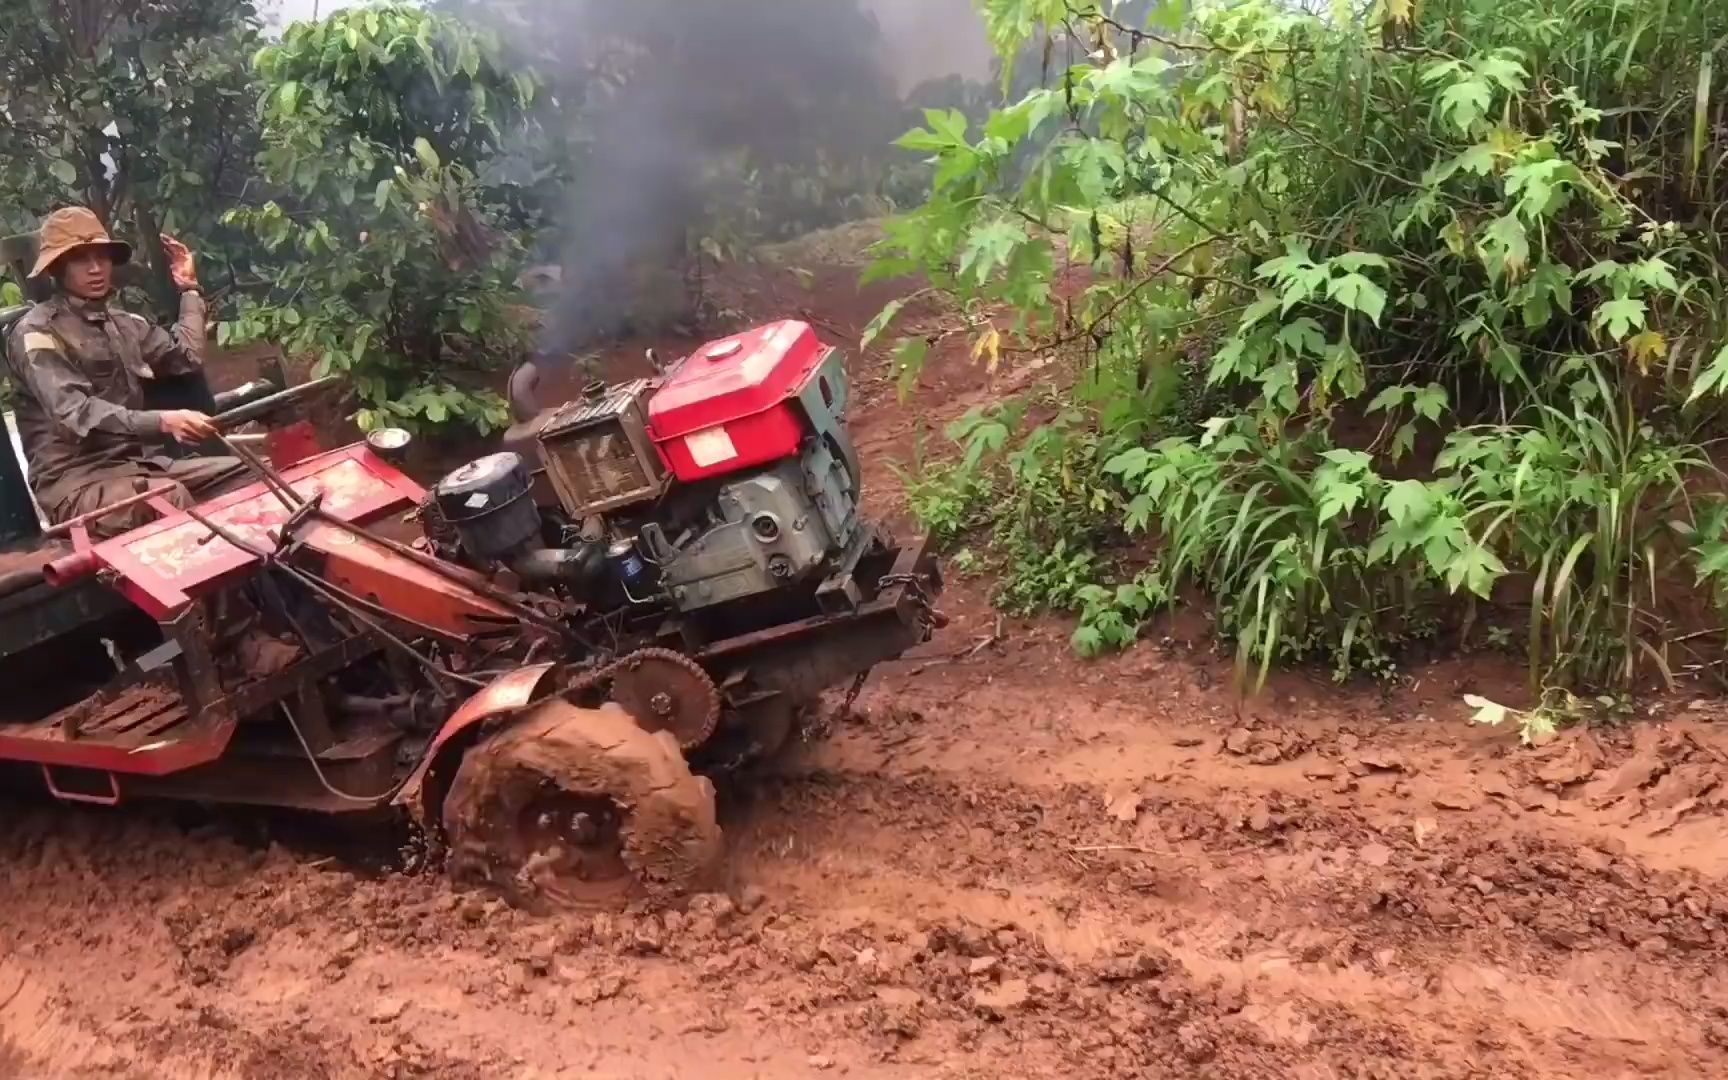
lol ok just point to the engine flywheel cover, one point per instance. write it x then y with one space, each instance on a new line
667 691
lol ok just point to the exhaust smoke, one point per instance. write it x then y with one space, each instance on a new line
662 103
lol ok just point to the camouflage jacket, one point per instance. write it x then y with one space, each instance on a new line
78 368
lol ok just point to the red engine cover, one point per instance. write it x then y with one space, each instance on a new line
734 403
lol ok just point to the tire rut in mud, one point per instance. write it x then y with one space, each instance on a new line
911 922
1328 901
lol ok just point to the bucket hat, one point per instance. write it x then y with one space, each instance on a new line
65 231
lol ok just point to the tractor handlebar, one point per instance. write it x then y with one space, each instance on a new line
264 406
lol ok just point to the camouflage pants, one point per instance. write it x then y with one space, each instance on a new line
85 491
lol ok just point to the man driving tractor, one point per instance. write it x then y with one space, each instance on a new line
81 367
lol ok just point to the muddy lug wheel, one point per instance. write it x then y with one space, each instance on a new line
573 808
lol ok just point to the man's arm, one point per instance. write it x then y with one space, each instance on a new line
40 362
181 352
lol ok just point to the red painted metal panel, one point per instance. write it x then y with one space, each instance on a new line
401 587
506 694
288 446
171 753
734 377
164 564
740 444
732 404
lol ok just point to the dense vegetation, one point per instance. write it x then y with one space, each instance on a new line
1379 323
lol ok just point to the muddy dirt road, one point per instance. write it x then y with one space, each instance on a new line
1003 863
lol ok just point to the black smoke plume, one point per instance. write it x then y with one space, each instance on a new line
653 98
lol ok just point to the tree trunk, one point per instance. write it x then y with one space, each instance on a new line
160 282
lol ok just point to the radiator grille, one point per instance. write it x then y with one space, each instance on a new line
601 464
598 454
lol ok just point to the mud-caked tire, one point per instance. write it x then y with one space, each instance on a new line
573 808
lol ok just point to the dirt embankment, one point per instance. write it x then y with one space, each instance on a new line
1004 863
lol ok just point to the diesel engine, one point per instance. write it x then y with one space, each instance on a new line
725 481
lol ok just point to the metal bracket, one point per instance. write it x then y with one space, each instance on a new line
195 665
111 799
840 594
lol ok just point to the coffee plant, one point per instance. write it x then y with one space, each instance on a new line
377 123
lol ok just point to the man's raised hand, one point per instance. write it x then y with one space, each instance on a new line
181 266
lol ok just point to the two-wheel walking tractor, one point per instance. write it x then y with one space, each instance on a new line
543 658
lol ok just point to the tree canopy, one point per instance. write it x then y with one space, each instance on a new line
140 109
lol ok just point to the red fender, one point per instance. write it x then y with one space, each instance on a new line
507 694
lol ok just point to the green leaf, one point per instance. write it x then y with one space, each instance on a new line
1430 401
1713 379
1359 294
1712 561
1478 160
1389 398
1408 502
949 123
909 354
1128 78
1264 304
1655 273
1293 262
989 247
1504 247
1403 441
1139 513
1129 464
1299 285
1499 66
1549 288
1620 316
63 171
288 96
1088 641
1475 568
1466 102
1453 236
1339 498
881 322
1303 337
1098 165
922 139
1353 261
428 156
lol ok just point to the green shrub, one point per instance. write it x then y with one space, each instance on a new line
1437 282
